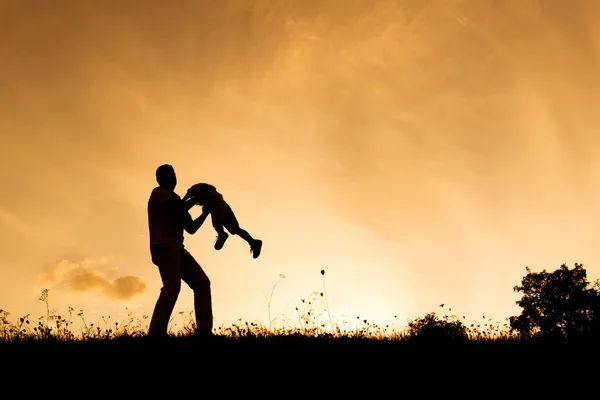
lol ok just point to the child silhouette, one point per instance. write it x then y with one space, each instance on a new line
222 216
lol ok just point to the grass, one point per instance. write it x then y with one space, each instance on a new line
312 332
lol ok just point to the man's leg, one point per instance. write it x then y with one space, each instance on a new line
193 274
168 260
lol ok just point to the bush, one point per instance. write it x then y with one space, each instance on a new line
432 328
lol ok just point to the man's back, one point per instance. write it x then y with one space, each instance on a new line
164 223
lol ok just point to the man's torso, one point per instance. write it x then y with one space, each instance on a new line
165 225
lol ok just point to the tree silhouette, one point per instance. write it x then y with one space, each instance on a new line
558 304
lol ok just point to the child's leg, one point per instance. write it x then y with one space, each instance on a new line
217 208
217 216
222 235
218 225
233 226
244 235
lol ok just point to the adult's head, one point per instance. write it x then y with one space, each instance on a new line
165 176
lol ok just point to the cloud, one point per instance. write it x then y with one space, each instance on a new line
91 275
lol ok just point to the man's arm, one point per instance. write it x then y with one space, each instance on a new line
191 226
173 207
177 206
188 203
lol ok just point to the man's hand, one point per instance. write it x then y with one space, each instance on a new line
193 225
192 197
189 195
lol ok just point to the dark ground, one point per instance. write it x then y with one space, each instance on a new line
296 366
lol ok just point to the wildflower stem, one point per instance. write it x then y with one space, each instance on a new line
326 302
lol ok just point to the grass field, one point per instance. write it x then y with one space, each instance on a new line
245 358
313 334
55 333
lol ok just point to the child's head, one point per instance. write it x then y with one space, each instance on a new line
198 192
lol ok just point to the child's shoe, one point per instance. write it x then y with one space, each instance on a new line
221 240
255 248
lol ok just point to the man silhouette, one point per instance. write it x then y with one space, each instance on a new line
168 217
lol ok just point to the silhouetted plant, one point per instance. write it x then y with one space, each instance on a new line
324 296
46 327
558 304
432 327
270 300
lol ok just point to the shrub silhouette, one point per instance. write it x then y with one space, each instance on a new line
433 328
558 304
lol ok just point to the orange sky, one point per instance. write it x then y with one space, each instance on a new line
419 152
